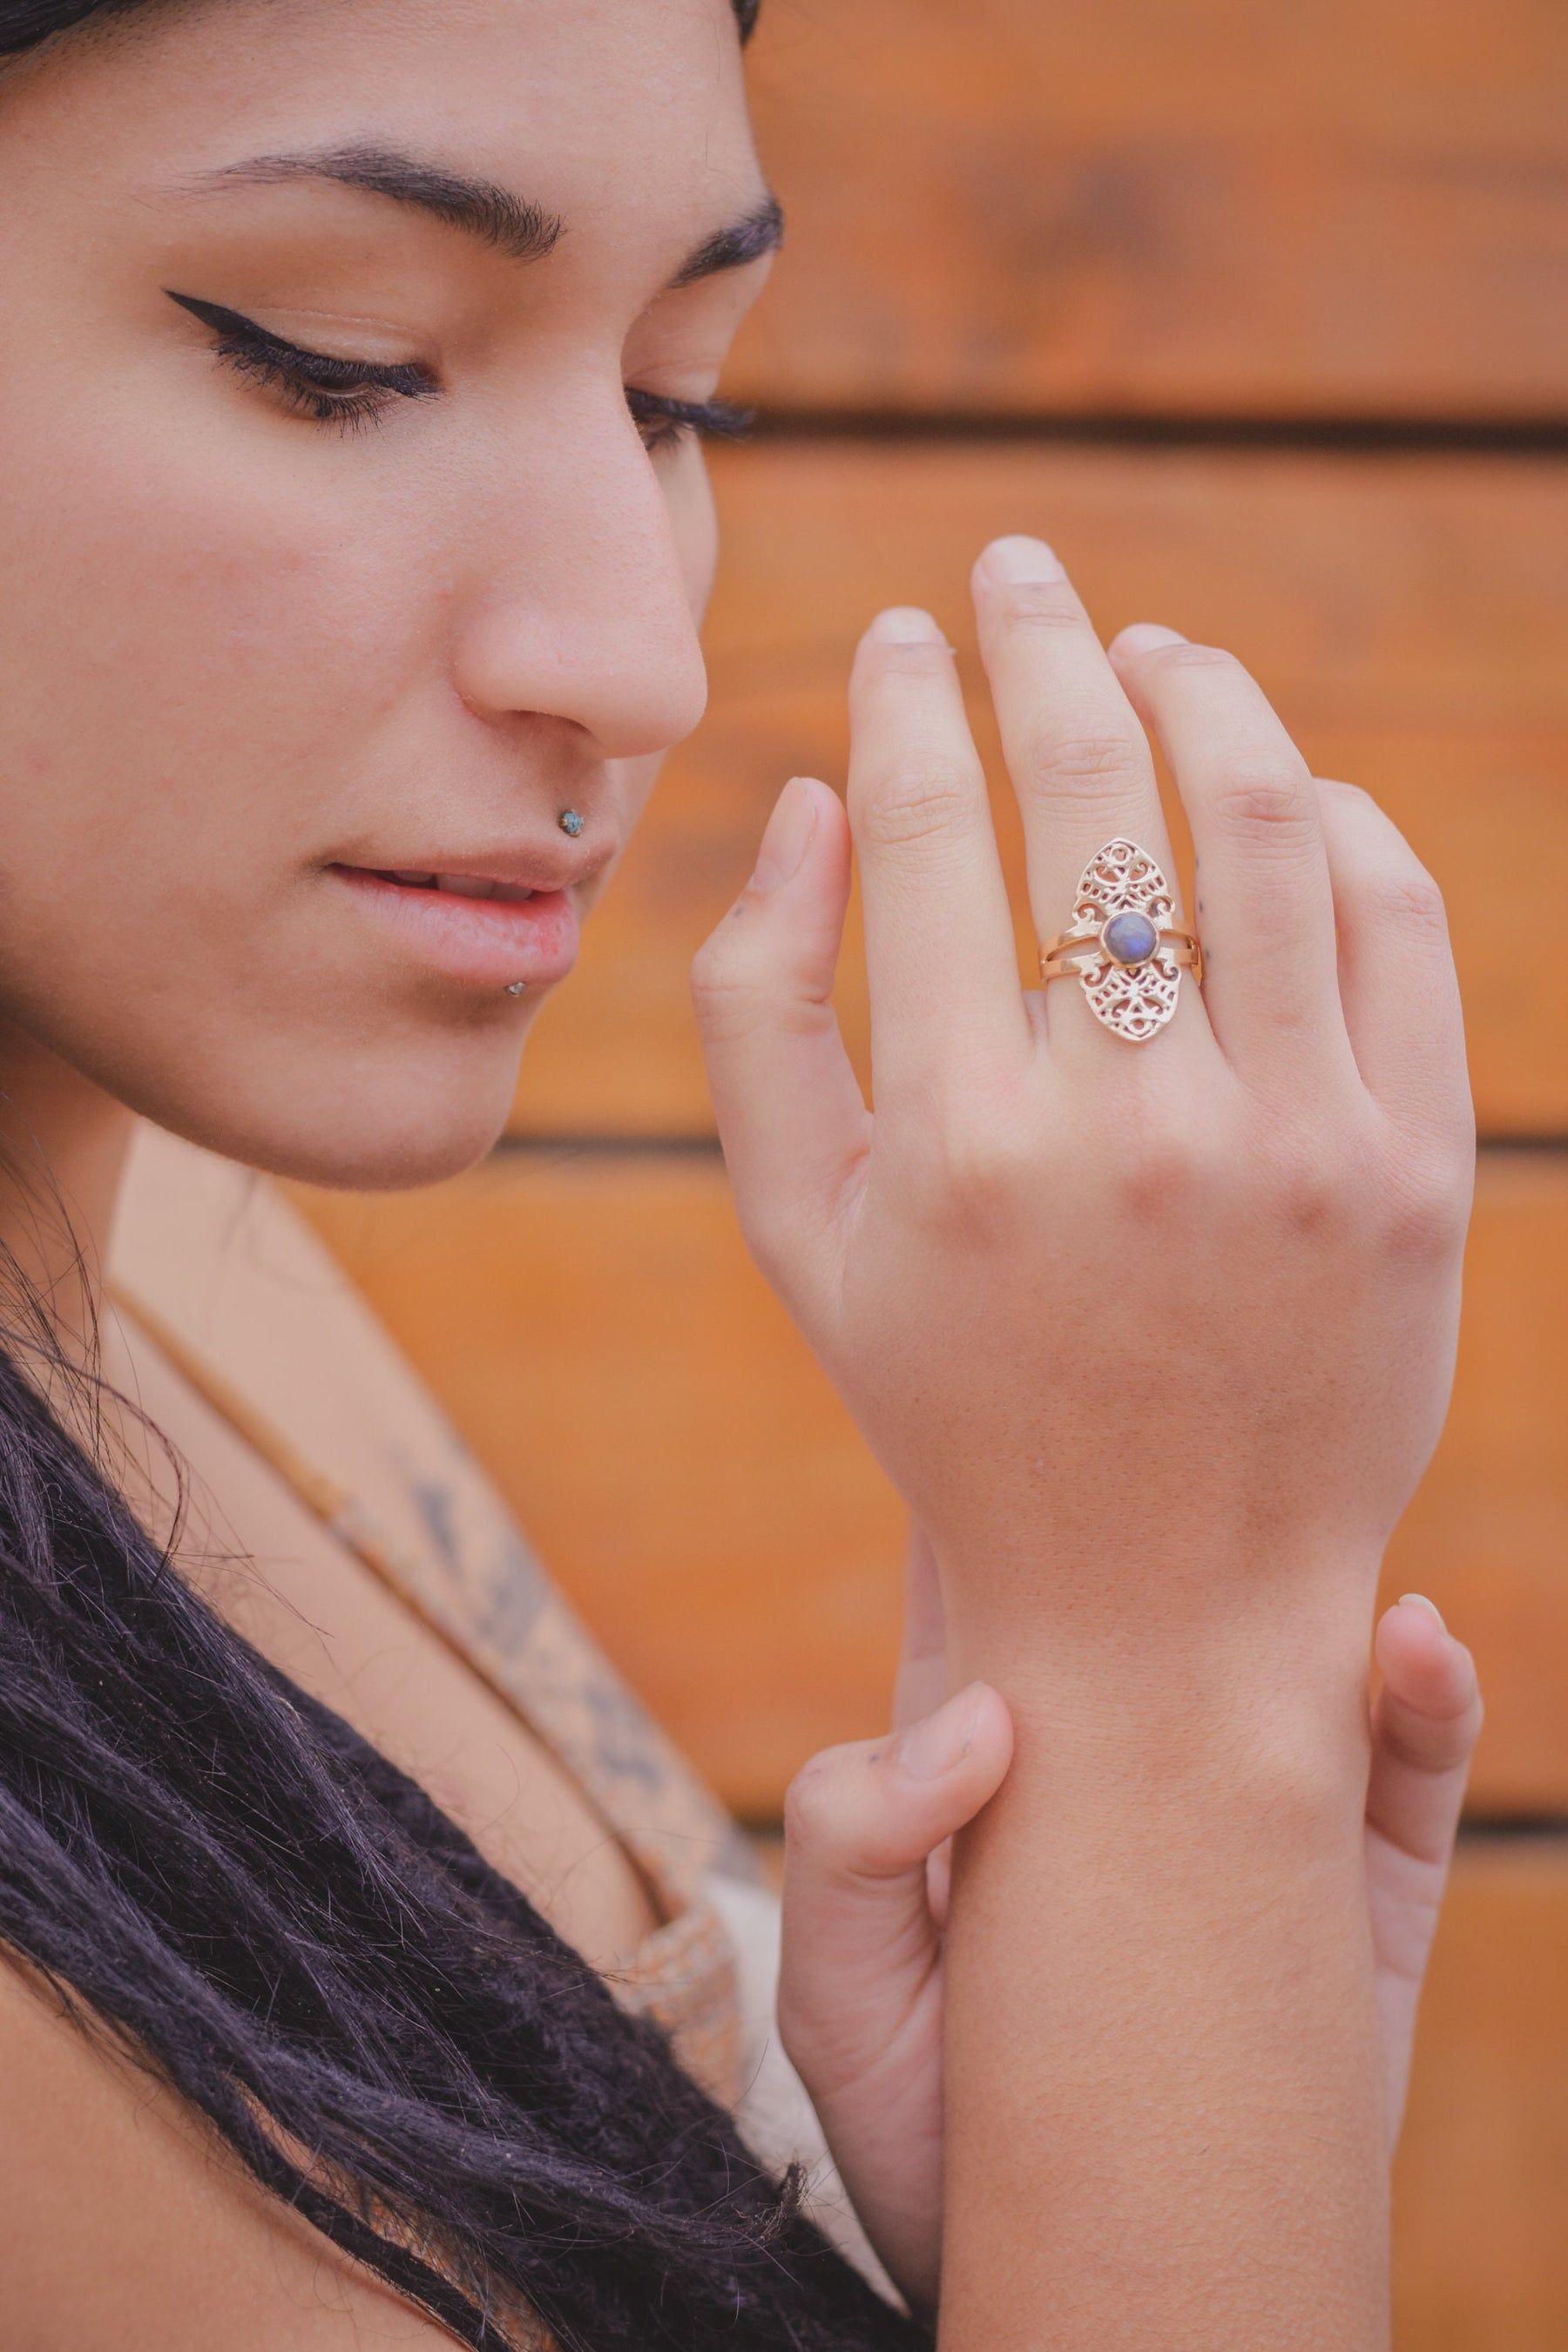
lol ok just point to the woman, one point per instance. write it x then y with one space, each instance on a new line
355 534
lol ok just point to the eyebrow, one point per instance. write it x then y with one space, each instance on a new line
757 232
509 224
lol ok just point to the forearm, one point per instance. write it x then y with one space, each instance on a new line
1164 2128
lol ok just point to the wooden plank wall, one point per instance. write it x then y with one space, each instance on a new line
1261 314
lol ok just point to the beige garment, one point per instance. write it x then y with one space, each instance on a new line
237 1293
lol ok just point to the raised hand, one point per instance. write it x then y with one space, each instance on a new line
1092 1301
1155 1340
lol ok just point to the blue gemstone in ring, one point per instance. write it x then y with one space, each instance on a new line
570 822
1129 938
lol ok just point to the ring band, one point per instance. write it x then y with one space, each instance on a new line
1125 944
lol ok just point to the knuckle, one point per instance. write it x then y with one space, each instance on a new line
1266 802
1429 1209
909 657
811 1808
1171 1170
1048 605
1196 657
1310 1182
1314 1193
724 992
913 806
1084 766
1407 898
977 1172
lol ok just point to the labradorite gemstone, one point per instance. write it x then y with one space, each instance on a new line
1129 938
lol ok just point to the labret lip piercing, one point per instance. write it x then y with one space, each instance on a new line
570 822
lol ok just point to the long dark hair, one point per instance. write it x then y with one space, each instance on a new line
214 1872
212 1868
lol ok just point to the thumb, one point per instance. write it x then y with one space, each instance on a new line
791 1115
859 1941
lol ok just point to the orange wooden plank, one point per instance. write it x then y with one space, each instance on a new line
1406 614
1487 1535
1481 2181
1220 205
595 1328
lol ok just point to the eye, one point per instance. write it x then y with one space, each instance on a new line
664 423
315 384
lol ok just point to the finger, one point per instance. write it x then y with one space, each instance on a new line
859 2003
1076 753
1397 982
941 965
922 1682
860 1822
1426 1723
1264 906
790 1112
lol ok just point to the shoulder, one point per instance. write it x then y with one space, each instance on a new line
124 2220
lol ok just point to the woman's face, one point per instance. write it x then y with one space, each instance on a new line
273 632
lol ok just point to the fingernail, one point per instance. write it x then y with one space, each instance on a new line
1143 636
787 837
941 1741
1014 561
905 624
1419 1600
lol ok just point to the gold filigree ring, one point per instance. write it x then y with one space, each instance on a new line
1124 943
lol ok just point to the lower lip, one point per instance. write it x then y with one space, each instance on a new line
486 942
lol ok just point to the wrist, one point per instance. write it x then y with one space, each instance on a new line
1265 1696
1147 1594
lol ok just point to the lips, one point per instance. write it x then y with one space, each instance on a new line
474 929
459 886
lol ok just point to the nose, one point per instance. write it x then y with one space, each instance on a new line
580 587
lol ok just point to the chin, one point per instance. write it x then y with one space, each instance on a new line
358 1121
389 1161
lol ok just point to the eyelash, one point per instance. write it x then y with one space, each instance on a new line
352 393
663 422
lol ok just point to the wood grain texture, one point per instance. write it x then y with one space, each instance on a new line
1481 2179
592 1324
1180 206
1404 613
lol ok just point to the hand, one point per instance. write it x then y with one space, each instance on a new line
866 1900
1154 1340
1163 1329
1426 1720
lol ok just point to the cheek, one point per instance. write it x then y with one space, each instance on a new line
188 647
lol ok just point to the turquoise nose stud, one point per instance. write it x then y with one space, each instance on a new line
570 822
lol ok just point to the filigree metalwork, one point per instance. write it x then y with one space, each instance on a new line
1133 1000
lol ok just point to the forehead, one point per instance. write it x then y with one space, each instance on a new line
627 120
